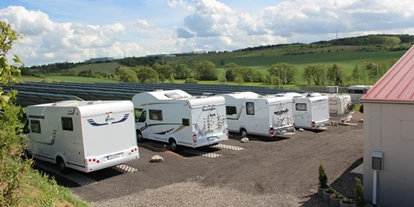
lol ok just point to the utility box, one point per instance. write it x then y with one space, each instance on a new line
377 160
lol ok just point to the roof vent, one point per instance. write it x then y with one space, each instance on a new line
173 95
63 103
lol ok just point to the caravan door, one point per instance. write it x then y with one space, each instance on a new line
302 114
141 124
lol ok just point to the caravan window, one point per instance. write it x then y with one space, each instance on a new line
67 124
300 106
230 110
186 122
356 91
137 112
155 115
35 126
143 116
249 108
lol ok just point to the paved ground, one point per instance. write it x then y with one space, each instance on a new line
266 172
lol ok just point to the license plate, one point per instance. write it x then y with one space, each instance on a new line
111 157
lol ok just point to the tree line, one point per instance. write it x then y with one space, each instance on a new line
368 72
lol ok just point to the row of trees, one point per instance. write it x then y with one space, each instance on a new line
367 73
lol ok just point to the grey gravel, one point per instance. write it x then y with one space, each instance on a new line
193 194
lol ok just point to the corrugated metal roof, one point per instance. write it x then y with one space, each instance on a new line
397 85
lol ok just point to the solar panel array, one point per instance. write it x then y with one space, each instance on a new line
30 93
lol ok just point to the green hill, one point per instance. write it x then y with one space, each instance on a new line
95 67
346 52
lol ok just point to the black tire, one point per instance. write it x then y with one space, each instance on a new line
140 138
243 133
173 144
62 167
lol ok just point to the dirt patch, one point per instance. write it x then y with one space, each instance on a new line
63 204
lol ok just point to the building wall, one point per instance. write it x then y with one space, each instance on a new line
390 128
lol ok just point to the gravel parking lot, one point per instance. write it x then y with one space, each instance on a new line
266 172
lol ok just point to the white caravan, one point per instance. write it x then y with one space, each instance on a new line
177 118
357 91
83 135
310 110
340 107
251 113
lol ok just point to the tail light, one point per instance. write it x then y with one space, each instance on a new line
313 124
227 131
271 131
94 160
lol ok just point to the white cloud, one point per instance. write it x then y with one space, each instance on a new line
322 17
143 24
198 25
48 41
215 26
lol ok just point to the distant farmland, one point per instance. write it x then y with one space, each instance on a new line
95 67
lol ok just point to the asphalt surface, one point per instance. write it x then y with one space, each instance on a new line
266 172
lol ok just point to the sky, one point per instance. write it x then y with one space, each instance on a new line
77 30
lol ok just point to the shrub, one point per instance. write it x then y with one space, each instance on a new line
336 195
348 201
329 191
359 194
191 80
323 179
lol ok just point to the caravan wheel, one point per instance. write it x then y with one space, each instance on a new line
140 138
62 167
243 133
173 144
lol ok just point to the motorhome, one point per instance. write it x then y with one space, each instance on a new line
83 135
340 107
357 91
251 113
310 110
179 119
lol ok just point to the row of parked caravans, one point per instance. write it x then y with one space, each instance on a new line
92 135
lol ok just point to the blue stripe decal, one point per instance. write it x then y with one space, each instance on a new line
93 123
122 120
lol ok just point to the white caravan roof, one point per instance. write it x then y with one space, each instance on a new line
159 96
86 108
359 87
251 95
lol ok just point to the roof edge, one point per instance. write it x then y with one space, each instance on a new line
385 101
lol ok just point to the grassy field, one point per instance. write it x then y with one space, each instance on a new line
42 191
102 67
345 56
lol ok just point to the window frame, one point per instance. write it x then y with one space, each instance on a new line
296 106
64 128
227 111
137 116
185 122
247 108
151 111
32 121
